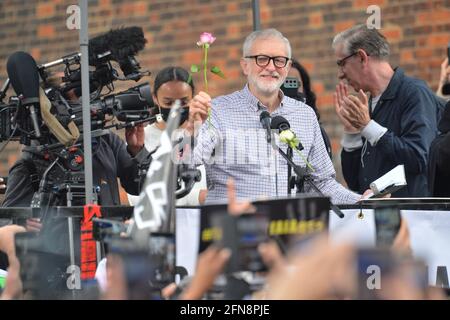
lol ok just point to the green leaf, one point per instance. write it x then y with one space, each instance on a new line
189 80
216 70
194 68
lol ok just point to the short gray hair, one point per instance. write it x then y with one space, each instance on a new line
361 37
264 34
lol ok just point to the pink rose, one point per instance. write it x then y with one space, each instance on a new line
206 38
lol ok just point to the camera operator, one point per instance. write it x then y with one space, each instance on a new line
112 159
172 83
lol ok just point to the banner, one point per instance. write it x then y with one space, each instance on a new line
429 234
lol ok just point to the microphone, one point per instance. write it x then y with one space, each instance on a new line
286 134
265 120
24 77
120 45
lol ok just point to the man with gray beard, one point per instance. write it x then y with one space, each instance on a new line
232 142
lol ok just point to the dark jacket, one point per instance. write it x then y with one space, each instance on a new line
110 160
439 160
410 111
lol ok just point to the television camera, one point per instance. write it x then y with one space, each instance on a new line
46 114
22 117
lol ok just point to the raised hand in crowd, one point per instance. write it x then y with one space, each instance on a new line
272 256
209 266
33 225
13 285
321 271
276 263
211 262
402 241
7 234
236 207
116 288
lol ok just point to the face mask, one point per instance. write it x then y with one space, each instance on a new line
184 115
164 112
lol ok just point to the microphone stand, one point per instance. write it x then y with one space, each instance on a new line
301 175
289 171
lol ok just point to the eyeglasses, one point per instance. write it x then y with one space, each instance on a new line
263 60
341 62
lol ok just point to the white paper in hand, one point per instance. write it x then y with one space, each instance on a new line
388 183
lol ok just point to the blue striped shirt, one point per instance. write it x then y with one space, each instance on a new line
234 145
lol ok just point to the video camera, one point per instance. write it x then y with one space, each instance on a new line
290 88
53 114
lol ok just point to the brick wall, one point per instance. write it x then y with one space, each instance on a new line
418 31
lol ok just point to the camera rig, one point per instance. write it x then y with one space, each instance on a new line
46 115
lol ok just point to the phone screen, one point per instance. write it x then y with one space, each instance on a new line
242 235
252 230
163 256
387 225
290 87
448 52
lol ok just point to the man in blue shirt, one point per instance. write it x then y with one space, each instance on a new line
395 124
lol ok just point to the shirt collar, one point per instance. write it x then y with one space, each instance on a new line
254 104
394 85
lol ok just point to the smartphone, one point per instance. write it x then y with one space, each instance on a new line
104 228
137 266
139 271
163 257
387 225
446 86
242 235
448 52
290 87
35 255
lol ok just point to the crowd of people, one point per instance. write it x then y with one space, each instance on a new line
390 119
